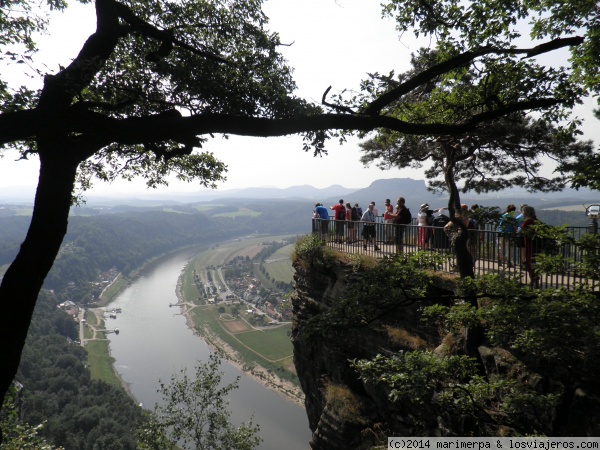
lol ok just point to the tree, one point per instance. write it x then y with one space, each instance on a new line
194 414
502 23
18 434
147 88
506 152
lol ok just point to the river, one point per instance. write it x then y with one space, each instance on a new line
154 342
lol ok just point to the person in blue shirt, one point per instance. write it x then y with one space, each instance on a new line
507 229
520 244
322 214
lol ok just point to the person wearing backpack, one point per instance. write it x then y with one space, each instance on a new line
353 220
401 218
359 214
340 220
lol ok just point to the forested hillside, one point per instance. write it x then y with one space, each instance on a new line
127 237
86 414
80 413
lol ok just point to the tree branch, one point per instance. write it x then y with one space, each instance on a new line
22 125
333 106
423 77
164 36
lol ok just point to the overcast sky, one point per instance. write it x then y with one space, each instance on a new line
334 42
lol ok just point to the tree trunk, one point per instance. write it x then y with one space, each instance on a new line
25 276
464 260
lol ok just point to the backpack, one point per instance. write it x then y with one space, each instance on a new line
341 213
356 216
429 219
405 217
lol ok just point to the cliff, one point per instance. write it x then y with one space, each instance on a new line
371 367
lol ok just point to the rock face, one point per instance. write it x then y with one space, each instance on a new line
345 412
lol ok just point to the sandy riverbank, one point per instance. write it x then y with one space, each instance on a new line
282 387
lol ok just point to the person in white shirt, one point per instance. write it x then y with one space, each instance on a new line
368 231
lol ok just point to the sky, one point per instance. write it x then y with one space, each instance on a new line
333 43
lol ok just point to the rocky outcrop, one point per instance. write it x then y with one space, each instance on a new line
346 412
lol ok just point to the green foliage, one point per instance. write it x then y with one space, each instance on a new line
585 171
166 59
502 22
472 26
310 251
372 293
454 318
553 340
73 411
415 376
504 152
16 434
424 260
555 330
427 385
194 414
590 261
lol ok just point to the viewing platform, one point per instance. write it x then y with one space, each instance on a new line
493 252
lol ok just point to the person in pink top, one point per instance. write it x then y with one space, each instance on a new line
388 220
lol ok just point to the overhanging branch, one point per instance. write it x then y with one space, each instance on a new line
461 60
162 127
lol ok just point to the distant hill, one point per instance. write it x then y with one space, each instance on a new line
414 191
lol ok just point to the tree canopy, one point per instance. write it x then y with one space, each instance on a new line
194 414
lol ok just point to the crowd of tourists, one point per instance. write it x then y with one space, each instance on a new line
352 224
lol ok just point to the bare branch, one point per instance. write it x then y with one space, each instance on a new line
333 106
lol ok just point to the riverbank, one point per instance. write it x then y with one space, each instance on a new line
100 356
282 387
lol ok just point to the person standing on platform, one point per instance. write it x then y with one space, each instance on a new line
340 220
388 220
321 213
368 232
401 218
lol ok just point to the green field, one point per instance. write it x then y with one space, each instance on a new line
273 344
206 207
189 290
101 364
221 253
272 349
99 359
239 212
279 264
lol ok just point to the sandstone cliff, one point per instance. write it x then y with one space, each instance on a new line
347 311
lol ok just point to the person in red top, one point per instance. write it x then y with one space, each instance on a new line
388 219
530 219
340 220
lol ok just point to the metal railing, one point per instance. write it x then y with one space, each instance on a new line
493 252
